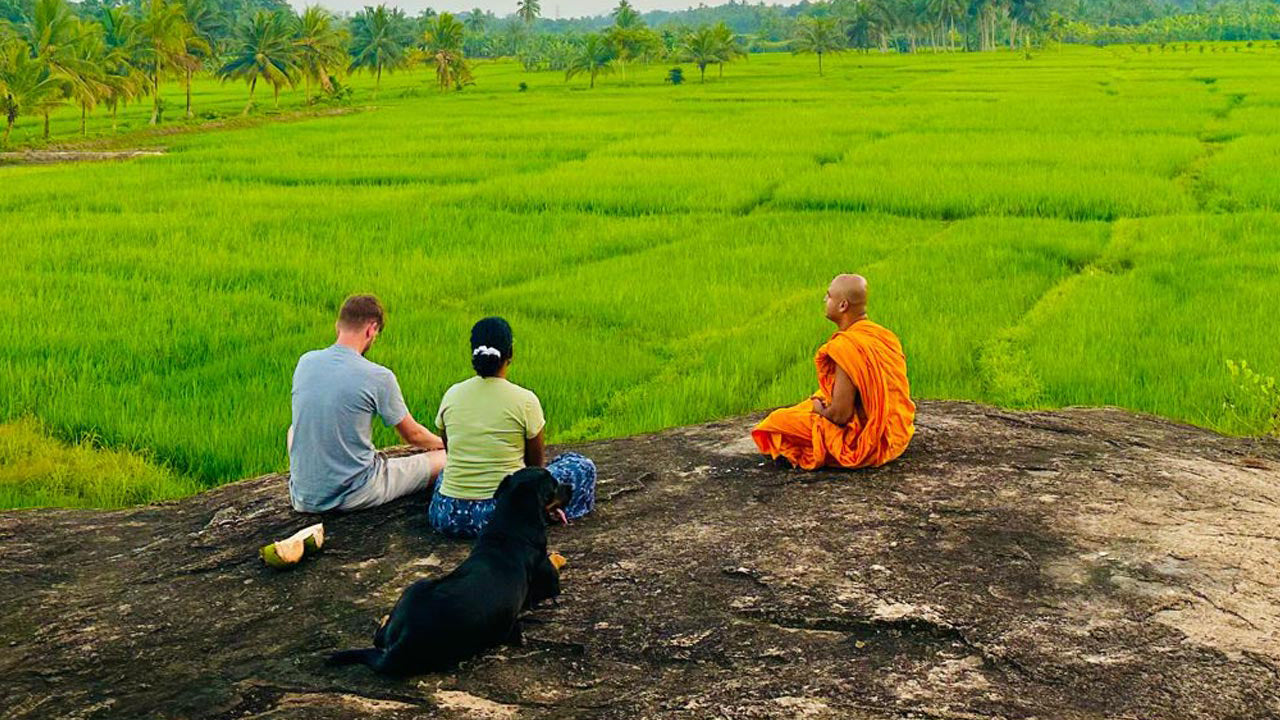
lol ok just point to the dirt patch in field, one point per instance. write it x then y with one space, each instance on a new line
1070 565
50 157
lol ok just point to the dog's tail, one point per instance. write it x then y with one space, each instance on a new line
372 657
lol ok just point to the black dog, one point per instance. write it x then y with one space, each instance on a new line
440 622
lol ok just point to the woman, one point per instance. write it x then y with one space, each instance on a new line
491 428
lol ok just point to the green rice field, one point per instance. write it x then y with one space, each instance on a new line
1085 227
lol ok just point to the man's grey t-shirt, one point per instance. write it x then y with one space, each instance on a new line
336 393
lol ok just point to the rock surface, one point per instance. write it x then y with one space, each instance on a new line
1074 564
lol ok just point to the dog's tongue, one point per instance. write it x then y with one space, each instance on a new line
559 513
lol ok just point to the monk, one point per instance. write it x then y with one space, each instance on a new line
862 414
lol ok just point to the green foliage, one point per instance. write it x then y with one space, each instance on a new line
442 49
320 45
818 36
38 471
675 76
264 50
594 57
1256 400
380 40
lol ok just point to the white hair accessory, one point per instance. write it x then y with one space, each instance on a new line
486 350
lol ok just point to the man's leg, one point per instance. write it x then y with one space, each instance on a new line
399 476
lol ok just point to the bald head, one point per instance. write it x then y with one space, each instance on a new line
847 299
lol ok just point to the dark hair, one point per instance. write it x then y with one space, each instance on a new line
360 310
490 345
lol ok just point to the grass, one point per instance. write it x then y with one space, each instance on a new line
1091 226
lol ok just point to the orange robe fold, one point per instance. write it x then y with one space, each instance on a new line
873 359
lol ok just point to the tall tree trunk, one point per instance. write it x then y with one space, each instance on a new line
378 85
189 113
306 78
277 91
8 128
253 85
819 64
115 108
1013 33
155 106
721 70
46 124
84 120
593 78
703 69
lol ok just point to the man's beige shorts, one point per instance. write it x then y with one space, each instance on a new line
398 476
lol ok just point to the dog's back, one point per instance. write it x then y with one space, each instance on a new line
438 623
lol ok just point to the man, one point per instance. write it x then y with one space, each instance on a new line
862 413
336 393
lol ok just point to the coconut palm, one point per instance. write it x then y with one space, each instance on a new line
52 37
205 24
728 44
263 48
818 36
27 86
528 10
476 21
321 46
165 33
702 48
594 57
442 47
90 86
625 15
379 41
125 80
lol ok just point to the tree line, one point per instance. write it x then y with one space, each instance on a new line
108 53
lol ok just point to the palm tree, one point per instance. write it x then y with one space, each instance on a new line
320 45
702 47
625 15
476 21
27 86
90 85
728 44
819 36
594 57
205 24
165 32
122 76
442 46
528 10
379 38
263 48
52 38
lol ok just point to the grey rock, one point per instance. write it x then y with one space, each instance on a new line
1055 565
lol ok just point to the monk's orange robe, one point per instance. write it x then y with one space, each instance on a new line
882 426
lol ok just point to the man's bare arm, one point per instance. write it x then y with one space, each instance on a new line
415 434
844 399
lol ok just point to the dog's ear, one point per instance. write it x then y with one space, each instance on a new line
504 486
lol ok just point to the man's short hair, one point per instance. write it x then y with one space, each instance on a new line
360 310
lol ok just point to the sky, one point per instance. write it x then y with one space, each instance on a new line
550 8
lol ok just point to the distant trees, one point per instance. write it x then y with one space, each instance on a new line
108 53
819 36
